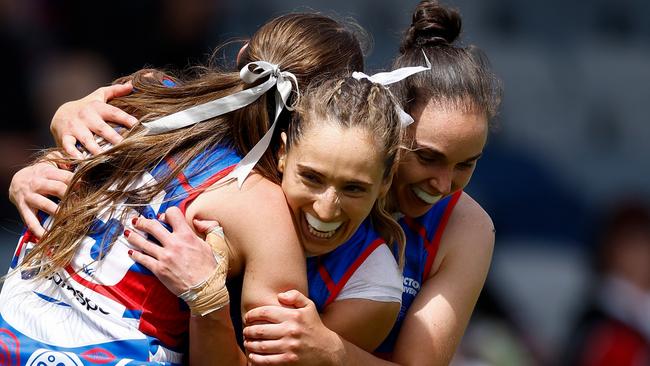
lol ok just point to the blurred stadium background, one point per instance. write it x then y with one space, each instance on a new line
570 143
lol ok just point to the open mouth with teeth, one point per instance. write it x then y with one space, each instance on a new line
321 229
424 196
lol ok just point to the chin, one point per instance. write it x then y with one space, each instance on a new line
313 252
414 209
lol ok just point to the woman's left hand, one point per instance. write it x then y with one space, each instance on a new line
292 334
32 189
183 259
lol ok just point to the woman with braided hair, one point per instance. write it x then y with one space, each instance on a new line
94 287
449 237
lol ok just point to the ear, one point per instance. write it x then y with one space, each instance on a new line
241 52
282 152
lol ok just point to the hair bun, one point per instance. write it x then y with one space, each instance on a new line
432 25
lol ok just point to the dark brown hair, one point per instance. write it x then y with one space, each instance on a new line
103 181
460 76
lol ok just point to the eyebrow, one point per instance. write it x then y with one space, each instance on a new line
439 154
305 168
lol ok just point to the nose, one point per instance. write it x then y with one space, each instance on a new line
442 180
327 206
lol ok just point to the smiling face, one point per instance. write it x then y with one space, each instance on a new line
445 145
331 178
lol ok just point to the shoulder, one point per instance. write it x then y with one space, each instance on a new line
469 215
260 234
469 235
257 197
256 213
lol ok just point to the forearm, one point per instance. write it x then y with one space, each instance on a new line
213 341
365 323
353 355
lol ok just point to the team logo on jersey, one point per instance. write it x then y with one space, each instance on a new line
77 294
46 357
411 286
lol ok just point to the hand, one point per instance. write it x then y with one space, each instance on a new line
31 190
182 260
290 334
79 120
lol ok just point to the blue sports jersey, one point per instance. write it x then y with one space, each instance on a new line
327 274
104 308
422 240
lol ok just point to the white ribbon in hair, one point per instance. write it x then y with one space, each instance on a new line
284 82
390 77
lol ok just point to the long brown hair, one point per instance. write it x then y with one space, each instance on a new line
352 103
103 181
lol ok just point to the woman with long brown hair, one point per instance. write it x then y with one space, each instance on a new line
82 280
449 235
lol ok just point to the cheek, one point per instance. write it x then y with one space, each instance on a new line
462 179
293 194
358 210
408 171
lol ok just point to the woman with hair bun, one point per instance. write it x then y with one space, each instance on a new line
450 238
97 288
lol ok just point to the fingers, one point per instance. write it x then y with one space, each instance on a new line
49 187
176 219
265 347
117 90
109 134
50 180
265 331
31 221
87 139
102 113
31 188
116 115
267 314
155 228
143 245
80 120
143 259
204 226
69 145
56 188
39 202
295 299
60 175
180 261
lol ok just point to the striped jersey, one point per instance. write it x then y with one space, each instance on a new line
104 308
423 236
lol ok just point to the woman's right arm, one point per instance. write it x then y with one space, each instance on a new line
264 246
293 334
